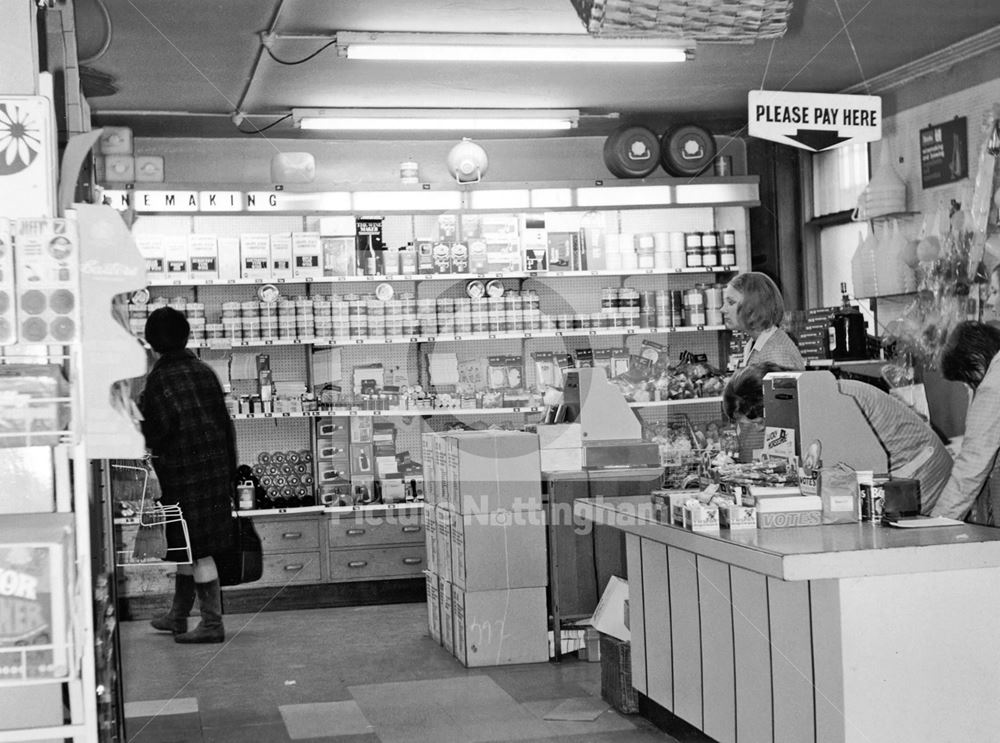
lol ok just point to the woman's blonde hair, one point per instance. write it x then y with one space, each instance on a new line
762 306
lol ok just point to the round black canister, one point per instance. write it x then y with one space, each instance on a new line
687 150
632 152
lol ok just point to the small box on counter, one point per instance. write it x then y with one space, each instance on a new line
732 516
795 510
700 517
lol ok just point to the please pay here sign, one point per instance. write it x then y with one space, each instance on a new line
814 121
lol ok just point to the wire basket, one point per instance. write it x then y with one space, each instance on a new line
151 515
699 20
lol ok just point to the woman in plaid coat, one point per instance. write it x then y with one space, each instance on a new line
191 437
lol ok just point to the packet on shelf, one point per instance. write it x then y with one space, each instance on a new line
698 516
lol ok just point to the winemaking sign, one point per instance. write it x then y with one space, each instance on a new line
814 121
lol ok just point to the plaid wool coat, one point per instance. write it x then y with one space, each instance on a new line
193 442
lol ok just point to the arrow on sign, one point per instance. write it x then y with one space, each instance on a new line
817 139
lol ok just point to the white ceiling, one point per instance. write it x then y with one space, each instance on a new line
183 67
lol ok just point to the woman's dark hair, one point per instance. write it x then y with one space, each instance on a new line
167 330
762 306
744 393
968 352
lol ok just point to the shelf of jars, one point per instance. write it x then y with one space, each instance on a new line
445 277
224 343
456 411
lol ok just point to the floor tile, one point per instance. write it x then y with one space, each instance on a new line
537 681
182 728
580 709
273 732
608 721
158 707
324 719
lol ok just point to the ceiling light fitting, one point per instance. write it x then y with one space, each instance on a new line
509 48
428 119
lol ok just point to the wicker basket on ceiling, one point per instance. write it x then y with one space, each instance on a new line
700 20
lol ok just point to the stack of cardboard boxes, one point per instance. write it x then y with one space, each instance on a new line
487 568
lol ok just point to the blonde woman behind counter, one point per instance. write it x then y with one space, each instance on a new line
752 304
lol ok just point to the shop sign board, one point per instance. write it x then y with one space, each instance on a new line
814 121
944 153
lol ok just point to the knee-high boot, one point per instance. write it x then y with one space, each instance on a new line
210 628
175 620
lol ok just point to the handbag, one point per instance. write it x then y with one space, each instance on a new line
244 562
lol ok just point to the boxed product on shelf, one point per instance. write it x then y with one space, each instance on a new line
500 549
307 255
281 255
447 614
494 628
36 585
203 256
500 235
442 516
429 522
368 245
229 258
175 253
153 251
28 480
534 244
255 255
794 510
339 256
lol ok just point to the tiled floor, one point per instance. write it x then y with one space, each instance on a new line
354 675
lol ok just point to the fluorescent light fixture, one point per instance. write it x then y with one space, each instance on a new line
509 48
551 197
395 201
624 196
515 198
430 119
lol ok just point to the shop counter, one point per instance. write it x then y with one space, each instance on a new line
853 633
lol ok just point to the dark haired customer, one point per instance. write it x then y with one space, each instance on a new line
972 355
752 304
912 448
191 438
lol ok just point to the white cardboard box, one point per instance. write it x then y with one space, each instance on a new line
281 256
495 628
175 253
447 615
307 255
498 550
152 250
203 256
229 258
433 605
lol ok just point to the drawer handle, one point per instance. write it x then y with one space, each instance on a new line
410 529
292 535
296 568
357 563
355 532
412 560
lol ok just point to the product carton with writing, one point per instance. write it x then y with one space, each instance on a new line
152 250
500 549
793 510
175 253
255 255
433 605
443 516
491 470
229 258
609 616
203 256
495 628
307 255
281 256
447 614
431 482
430 538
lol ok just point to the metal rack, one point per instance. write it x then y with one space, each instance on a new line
152 515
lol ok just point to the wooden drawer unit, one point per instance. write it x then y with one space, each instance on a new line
361 531
290 567
376 563
288 535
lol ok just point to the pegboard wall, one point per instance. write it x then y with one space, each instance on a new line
901 133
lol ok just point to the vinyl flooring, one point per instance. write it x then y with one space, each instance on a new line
365 674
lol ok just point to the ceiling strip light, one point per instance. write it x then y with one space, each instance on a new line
434 120
552 48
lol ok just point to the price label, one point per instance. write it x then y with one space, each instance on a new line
286 415
266 415
414 340
458 338
359 341
431 338
699 327
592 332
231 281
376 412
630 331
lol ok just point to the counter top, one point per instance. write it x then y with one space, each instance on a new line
810 552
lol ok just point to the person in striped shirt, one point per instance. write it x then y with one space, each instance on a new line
971 355
912 447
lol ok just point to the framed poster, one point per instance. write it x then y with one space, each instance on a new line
944 155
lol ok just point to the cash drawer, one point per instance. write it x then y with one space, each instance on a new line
288 535
351 532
